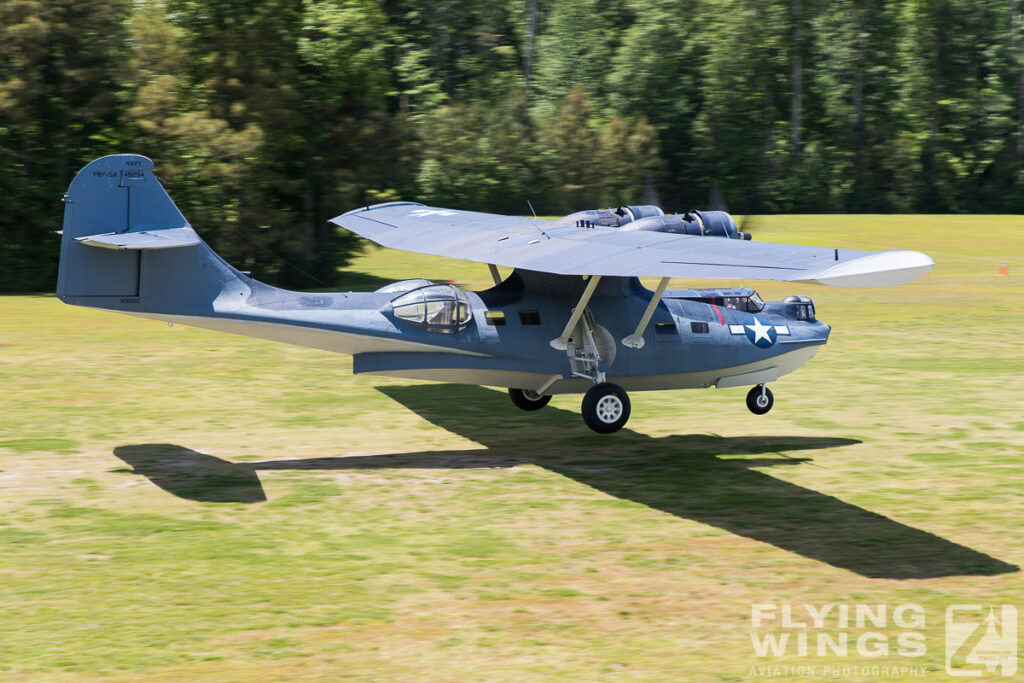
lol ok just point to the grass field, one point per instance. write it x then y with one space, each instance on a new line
178 504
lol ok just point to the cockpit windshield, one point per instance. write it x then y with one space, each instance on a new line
742 300
739 299
438 308
750 304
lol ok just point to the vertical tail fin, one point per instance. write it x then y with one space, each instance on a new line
126 246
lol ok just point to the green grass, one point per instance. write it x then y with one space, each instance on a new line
179 504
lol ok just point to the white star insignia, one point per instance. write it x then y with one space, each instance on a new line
420 213
760 330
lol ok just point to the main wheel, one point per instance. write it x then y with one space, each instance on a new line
528 400
760 399
605 408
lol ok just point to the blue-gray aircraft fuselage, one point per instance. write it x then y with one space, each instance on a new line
571 317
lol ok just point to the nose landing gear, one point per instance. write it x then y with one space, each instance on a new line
760 399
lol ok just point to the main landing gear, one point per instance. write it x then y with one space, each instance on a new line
527 399
605 407
760 399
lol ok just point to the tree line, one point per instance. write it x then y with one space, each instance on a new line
267 117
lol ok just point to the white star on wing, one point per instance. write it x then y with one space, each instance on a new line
760 330
420 213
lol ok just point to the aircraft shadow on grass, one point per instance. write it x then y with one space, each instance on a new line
684 475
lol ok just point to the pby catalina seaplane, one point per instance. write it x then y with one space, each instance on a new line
572 317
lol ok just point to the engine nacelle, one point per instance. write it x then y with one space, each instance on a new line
696 223
610 218
652 219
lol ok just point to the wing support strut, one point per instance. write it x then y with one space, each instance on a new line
562 342
495 275
636 340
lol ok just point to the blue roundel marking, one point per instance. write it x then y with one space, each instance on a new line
759 332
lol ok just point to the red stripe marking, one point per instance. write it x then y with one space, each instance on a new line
719 314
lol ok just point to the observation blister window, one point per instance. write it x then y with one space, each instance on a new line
438 308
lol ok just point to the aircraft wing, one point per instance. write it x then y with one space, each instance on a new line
541 245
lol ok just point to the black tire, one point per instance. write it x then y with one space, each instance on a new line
606 408
522 399
755 403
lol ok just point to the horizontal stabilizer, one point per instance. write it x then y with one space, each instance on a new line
160 238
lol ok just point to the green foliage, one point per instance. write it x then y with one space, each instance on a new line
578 46
265 119
59 105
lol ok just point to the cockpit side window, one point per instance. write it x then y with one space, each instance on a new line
749 304
740 299
438 308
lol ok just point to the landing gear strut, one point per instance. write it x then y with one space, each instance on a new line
605 407
527 399
760 399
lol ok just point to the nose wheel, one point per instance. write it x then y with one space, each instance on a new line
760 399
605 407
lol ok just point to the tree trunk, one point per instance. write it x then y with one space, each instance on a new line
862 179
313 241
65 123
1018 58
531 37
797 80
